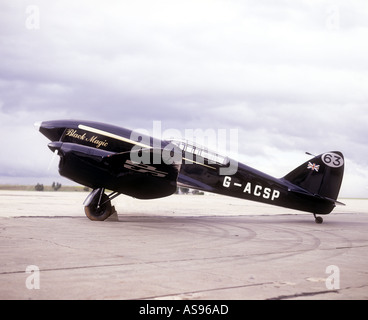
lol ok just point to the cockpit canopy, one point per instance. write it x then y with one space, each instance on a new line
193 148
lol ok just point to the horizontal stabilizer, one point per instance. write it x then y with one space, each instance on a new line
337 202
303 192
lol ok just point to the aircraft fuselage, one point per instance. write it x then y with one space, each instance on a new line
104 156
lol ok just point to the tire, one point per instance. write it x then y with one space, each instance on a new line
98 214
319 220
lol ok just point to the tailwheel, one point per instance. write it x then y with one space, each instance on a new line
318 220
98 206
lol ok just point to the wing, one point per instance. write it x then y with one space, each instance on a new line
145 179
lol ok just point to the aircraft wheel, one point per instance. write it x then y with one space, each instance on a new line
319 220
95 213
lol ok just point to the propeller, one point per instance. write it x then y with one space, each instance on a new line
54 147
52 160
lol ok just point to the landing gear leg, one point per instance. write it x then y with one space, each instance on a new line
97 206
318 220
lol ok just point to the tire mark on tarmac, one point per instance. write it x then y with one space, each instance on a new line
171 295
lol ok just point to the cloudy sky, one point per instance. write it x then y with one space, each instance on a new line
289 76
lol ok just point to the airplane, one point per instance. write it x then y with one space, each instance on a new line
106 157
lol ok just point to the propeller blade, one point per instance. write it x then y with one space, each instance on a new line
52 160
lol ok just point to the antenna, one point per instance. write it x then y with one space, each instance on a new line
310 154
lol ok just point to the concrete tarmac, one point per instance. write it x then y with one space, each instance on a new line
180 247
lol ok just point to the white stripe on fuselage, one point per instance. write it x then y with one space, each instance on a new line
117 137
112 135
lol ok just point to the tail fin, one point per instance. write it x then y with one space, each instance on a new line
321 176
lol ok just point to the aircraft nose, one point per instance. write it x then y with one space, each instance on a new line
56 145
38 125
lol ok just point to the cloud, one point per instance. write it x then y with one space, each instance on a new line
289 76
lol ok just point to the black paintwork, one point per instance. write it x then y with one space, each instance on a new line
99 155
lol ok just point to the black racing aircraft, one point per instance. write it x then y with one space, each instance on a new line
105 157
